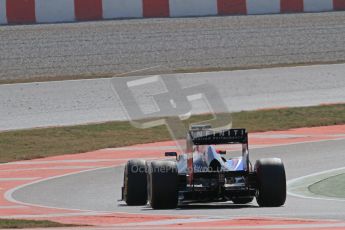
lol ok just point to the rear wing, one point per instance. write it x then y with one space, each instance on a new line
211 137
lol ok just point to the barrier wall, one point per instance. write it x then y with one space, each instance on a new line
47 11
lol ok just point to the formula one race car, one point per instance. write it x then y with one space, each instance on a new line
202 174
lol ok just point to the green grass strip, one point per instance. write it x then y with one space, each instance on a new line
12 223
38 143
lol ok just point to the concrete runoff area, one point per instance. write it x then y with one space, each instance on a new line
60 103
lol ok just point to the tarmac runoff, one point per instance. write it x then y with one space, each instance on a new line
62 103
19 196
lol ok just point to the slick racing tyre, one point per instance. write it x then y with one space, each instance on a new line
135 183
271 191
163 185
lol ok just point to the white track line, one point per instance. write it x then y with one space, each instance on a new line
298 187
38 162
48 168
9 194
12 206
51 215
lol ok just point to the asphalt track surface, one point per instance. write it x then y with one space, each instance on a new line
108 47
98 190
58 103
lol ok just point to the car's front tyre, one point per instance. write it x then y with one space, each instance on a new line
135 183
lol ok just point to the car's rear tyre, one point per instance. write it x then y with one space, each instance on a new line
271 179
163 185
242 200
135 183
